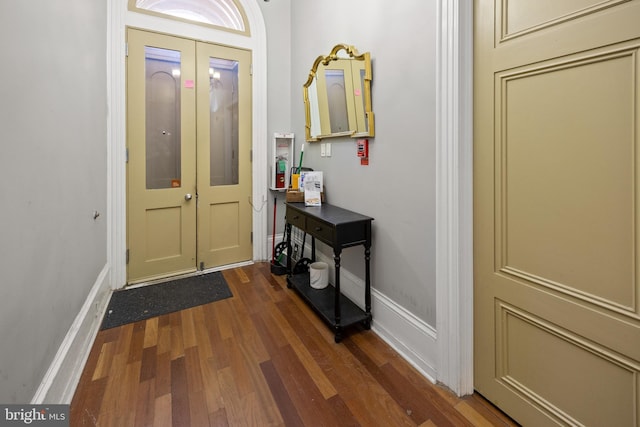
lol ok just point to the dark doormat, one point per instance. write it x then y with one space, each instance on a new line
132 305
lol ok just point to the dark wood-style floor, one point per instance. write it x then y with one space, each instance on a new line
260 358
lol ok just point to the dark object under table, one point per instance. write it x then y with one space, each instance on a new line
338 228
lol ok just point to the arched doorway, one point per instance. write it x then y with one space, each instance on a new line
121 18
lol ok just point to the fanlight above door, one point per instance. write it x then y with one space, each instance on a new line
337 95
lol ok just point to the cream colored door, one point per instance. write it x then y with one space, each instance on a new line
188 184
161 168
557 187
224 155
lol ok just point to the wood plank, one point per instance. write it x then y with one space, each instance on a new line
312 406
342 412
229 392
137 342
402 391
148 364
163 320
220 354
124 341
188 329
92 360
219 418
261 393
245 327
163 374
224 317
163 416
145 403
151 332
275 287
194 373
85 407
270 332
252 412
105 358
127 401
282 398
180 412
177 342
278 323
239 272
202 334
489 412
164 337
211 386
198 413
474 417
111 403
238 368
379 352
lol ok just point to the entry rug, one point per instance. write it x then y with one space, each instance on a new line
132 305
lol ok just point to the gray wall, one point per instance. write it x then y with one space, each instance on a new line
53 176
277 18
398 186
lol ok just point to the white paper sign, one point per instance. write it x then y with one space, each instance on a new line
312 184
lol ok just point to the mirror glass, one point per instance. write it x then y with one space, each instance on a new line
337 95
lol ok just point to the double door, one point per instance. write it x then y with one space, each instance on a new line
189 155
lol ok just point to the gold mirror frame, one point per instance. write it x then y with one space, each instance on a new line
367 128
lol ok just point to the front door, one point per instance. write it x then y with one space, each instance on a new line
557 219
189 164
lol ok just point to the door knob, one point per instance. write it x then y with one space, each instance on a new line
188 196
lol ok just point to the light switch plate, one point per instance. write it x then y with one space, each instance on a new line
323 150
327 149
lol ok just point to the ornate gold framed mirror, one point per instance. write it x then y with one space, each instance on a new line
337 95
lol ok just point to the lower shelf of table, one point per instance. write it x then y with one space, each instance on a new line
323 302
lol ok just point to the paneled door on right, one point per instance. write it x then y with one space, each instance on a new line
556 215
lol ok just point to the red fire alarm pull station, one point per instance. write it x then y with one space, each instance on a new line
363 151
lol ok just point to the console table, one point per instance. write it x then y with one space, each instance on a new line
338 228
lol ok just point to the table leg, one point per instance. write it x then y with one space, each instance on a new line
289 269
367 285
338 328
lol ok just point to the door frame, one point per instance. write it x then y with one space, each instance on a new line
118 19
454 195
454 174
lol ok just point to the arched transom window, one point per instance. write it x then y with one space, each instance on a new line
225 14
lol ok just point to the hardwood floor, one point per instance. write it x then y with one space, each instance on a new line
260 358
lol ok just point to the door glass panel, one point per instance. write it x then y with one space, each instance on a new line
223 121
222 13
337 99
162 97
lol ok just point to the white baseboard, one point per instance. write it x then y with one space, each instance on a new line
60 381
411 337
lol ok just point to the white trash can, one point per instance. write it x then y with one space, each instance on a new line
318 275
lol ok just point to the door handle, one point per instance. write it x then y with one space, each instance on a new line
188 197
